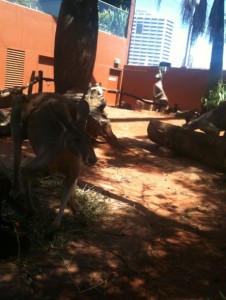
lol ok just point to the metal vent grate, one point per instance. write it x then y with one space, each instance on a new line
14 68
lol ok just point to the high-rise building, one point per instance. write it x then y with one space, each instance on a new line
150 40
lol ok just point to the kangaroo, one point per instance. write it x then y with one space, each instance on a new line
65 106
212 122
58 148
22 107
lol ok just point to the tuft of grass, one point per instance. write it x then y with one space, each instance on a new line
46 192
93 204
92 210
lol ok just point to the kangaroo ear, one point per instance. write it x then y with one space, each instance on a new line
82 113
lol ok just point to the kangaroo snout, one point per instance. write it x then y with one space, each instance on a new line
104 122
91 158
90 161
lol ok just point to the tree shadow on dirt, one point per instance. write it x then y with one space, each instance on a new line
159 256
141 154
134 252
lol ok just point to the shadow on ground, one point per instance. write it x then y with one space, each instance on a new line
162 235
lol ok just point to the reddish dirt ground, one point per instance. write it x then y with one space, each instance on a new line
163 238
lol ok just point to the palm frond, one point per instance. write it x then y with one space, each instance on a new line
213 19
158 3
199 20
187 10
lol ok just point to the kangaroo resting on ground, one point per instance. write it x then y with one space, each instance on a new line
212 122
59 146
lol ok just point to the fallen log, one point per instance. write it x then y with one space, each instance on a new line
207 148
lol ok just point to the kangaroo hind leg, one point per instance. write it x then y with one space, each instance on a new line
30 167
69 185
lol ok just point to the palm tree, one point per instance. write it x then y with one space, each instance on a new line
216 32
194 14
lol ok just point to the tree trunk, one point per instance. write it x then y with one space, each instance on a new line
209 149
75 44
188 47
216 63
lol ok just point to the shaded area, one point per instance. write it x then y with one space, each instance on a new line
162 237
208 148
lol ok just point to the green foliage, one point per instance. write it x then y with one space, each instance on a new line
123 4
113 21
21 2
28 3
215 97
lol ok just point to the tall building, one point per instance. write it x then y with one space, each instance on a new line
150 40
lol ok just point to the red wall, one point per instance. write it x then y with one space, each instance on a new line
182 86
109 47
34 32
28 30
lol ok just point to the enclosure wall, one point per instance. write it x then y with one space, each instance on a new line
30 35
184 87
27 44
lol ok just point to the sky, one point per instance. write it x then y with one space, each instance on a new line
200 52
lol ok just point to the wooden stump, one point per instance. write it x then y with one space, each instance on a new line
209 149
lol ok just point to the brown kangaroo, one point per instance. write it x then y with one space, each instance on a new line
22 107
65 107
58 148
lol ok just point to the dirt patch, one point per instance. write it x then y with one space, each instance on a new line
163 236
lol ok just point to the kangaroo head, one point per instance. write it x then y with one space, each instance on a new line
80 142
82 145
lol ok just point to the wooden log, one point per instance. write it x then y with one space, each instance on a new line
209 149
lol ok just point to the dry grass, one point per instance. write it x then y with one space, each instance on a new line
93 208
46 193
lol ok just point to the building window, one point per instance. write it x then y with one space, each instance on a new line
14 68
139 28
150 36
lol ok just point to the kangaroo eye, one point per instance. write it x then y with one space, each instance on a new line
77 136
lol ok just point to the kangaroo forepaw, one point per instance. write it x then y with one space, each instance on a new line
74 206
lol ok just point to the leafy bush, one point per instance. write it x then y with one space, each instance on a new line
215 97
112 19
